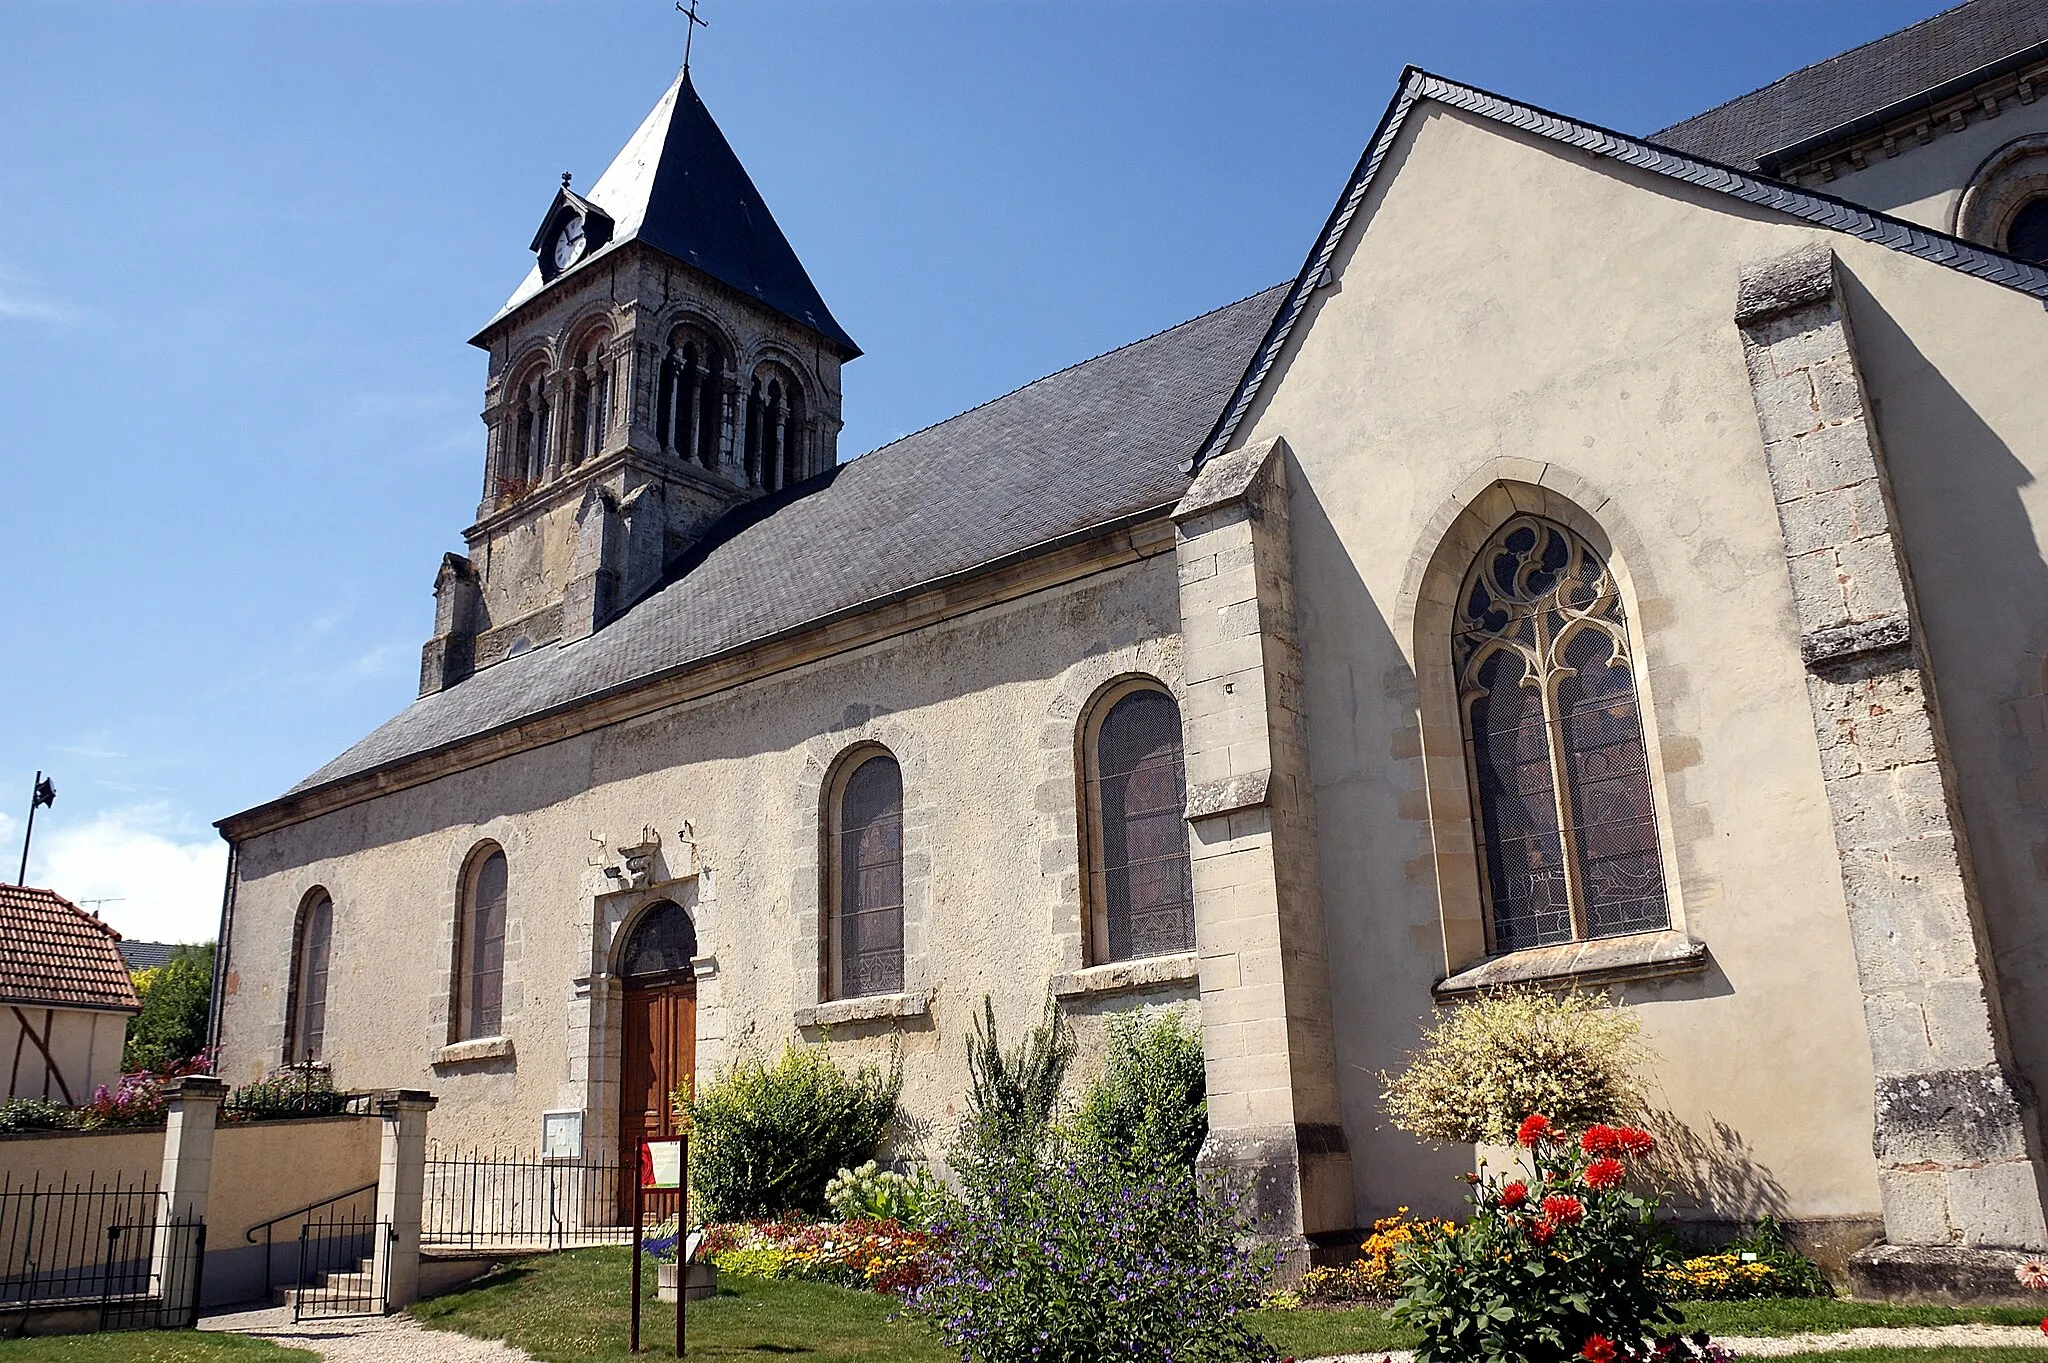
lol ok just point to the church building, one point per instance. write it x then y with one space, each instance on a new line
1611 562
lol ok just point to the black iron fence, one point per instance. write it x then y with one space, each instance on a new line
112 1245
517 1200
341 1271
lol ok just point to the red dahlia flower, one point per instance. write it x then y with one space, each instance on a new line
1598 1349
1543 1230
1633 1140
1604 1172
1562 1209
1600 1140
1534 1128
1514 1195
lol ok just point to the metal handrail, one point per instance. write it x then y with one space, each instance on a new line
267 1226
309 1207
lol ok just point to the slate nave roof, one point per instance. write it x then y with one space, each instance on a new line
1106 439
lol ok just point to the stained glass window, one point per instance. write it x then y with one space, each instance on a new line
1554 739
1142 888
2027 238
867 919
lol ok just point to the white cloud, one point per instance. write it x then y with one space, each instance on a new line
163 875
31 310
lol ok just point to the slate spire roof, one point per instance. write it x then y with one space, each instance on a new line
678 187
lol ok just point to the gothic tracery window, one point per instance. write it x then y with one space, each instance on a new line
1141 887
1554 742
865 897
480 950
306 1011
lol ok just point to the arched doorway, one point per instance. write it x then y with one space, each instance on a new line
658 1045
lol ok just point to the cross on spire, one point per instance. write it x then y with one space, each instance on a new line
689 29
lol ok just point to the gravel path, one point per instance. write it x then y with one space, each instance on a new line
1908 1337
366 1339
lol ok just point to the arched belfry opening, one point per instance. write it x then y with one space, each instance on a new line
658 1033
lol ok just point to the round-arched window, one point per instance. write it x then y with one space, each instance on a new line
662 944
2027 237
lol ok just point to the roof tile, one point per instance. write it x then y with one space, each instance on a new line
54 954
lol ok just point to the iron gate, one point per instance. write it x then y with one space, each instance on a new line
341 1269
113 1246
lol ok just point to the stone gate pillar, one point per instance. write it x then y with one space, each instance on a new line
1265 979
401 1193
1956 1151
192 1113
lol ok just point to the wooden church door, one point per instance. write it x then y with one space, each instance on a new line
658 1042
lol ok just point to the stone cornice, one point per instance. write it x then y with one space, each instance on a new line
1055 563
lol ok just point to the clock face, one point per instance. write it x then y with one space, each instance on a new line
569 244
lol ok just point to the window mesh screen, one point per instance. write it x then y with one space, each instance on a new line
311 1029
1555 742
484 990
870 859
1141 796
663 943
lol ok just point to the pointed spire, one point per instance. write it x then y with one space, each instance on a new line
678 187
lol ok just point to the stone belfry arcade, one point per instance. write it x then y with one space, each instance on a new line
666 359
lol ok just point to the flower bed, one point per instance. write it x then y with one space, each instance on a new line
878 1256
1376 1274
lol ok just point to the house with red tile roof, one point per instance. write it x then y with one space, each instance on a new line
65 997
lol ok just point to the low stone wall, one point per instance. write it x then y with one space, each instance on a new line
259 1170
46 1158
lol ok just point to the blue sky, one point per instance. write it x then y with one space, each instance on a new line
242 246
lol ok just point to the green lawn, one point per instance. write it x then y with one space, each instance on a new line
150 1346
1313 1333
567 1308
571 1308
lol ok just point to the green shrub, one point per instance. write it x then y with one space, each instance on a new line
1150 1103
33 1114
1558 1263
871 1193
1012 1098
176 997
1074 1257
1503 1055
765 1140
302 1091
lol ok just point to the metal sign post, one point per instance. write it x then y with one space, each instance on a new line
664 1168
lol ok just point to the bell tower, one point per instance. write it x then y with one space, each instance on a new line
666 359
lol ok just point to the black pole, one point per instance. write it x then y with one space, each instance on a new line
639 1215
35 798
683 1239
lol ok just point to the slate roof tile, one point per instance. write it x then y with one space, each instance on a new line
55 954
1822 97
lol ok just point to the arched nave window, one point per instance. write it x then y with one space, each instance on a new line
1554 739
865 897
306 1013
1140 889
480 949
